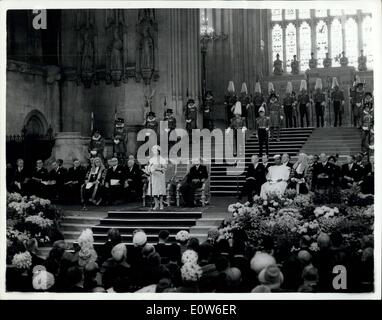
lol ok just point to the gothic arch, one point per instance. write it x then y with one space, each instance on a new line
35 123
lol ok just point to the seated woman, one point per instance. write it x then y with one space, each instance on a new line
277 178
92 188
299 173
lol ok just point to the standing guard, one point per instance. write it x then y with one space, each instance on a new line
207 111
288 103
356 97
262 124
97 145
303 104
119 141
275 115
367 122
338 100
151 122
319 103
191 116
229 100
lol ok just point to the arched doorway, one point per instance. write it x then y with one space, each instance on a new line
35 124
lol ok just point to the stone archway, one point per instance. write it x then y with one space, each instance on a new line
35 124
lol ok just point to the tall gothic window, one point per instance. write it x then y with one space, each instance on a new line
277 42
367 40
336 42
291 45
305 46
332 31
321 42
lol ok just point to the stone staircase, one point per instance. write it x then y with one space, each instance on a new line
342 141
291 141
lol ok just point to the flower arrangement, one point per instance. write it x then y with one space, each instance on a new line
22 260
190 256
191 272
182 236
29 217
291 217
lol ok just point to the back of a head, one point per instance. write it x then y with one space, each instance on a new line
205 251
173 252
73 275
221 263
223 246
163 235
114 236
336 238
193 244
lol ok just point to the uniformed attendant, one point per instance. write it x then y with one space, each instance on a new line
357 95
303 103
367 122
245 100
258 100
338 100
262 124
229 101
207 111
119 145
171 124
97 145
151 122
237 123
288 103
191 115
275 116
319 103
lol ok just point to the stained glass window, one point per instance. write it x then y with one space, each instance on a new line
305 45
290 14
321 13
335 12
351 41
336 42
291 44
277 41
304 14
277 15
321 42
296 24
367 41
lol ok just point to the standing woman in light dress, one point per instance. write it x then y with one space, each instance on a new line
157 182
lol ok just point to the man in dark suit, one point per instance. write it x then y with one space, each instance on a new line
57 178
285 159
351 173
75 179
20 178
323 173
39 179
336 171
255 177
133 179
195 178
114 181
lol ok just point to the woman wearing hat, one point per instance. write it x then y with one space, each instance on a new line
157 185
299 172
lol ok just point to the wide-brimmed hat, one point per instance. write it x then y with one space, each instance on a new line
139 238
261 260
119 252
43 281
271 276
261 289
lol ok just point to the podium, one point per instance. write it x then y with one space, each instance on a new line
345 77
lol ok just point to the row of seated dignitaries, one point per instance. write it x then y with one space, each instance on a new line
308 173
95 183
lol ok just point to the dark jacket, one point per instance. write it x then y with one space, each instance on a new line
59 175
198 173
258 173
117 174
355 172
76 174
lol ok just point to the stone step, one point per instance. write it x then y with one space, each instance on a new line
147 222
154 214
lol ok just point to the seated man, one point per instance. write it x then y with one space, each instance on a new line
194 179
254 179
133 179
285 159
114 182
57 178
277 178
351 173
75 179
323 173
39 180
20 178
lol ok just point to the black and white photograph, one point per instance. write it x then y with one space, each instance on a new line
206 149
